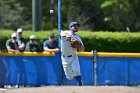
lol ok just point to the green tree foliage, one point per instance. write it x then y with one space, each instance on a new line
10 14
49 20
122 14
26 13
86 12
108 15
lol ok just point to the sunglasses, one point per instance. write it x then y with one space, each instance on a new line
14 37
32 39
19 32
76 25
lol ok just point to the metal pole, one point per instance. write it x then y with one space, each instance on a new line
59 31
95 67
59 21
36 15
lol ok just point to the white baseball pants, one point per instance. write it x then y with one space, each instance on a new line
71 66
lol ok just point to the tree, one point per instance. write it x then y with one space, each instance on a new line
10 14
122 13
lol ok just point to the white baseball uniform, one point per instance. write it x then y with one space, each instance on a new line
69 58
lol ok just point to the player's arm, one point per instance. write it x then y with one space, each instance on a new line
64 34
81 48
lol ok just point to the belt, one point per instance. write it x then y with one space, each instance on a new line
67 56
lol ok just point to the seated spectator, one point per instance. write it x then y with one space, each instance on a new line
12 44
51 45
21 40
33 45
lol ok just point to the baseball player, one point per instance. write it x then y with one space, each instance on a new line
69 58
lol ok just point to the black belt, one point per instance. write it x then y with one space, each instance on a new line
67 56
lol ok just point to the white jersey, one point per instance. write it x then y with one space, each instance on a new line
66 48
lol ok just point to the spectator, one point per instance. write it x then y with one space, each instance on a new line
12 44
51 45
33 45
20 64
21 40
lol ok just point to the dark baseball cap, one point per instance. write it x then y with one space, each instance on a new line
52 36
73 23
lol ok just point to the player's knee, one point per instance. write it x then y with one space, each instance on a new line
77 73
69 77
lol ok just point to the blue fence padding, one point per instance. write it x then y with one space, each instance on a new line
86 66
12 69
40 70
112 71
54 70
118 71
2 72
134 70
43 70
30 70
47 70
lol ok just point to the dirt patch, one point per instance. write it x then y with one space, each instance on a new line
75 89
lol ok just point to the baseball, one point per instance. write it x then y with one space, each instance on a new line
51 11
